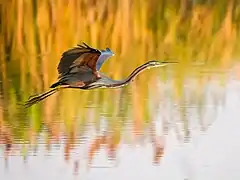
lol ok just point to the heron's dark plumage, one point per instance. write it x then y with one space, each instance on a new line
82 55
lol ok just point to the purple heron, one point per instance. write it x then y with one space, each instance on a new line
79 68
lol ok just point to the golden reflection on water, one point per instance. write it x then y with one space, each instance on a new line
126 122
35 33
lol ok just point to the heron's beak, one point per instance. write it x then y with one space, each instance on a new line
165 63
168 62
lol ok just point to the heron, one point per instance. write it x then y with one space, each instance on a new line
79 67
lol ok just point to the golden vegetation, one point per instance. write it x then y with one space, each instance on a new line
33 34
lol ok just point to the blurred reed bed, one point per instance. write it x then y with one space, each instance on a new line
33 35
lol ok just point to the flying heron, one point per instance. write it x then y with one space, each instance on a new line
79 68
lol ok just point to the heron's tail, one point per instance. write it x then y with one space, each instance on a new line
37 98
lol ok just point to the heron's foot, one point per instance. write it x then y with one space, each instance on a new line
79 84
97 74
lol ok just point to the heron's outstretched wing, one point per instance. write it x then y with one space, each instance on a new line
82 55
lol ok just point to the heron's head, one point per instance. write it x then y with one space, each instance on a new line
155 63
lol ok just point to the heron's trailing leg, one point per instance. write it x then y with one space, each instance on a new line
37 98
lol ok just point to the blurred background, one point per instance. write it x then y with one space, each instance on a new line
202 35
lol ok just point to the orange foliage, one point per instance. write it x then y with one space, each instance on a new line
95 146
158 150
112 146
69 145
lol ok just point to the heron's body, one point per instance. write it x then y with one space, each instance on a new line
79 68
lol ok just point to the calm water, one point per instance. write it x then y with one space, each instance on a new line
119 140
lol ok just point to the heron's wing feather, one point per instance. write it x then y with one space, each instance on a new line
88 59
82 55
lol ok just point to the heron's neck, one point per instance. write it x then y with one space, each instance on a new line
131 77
